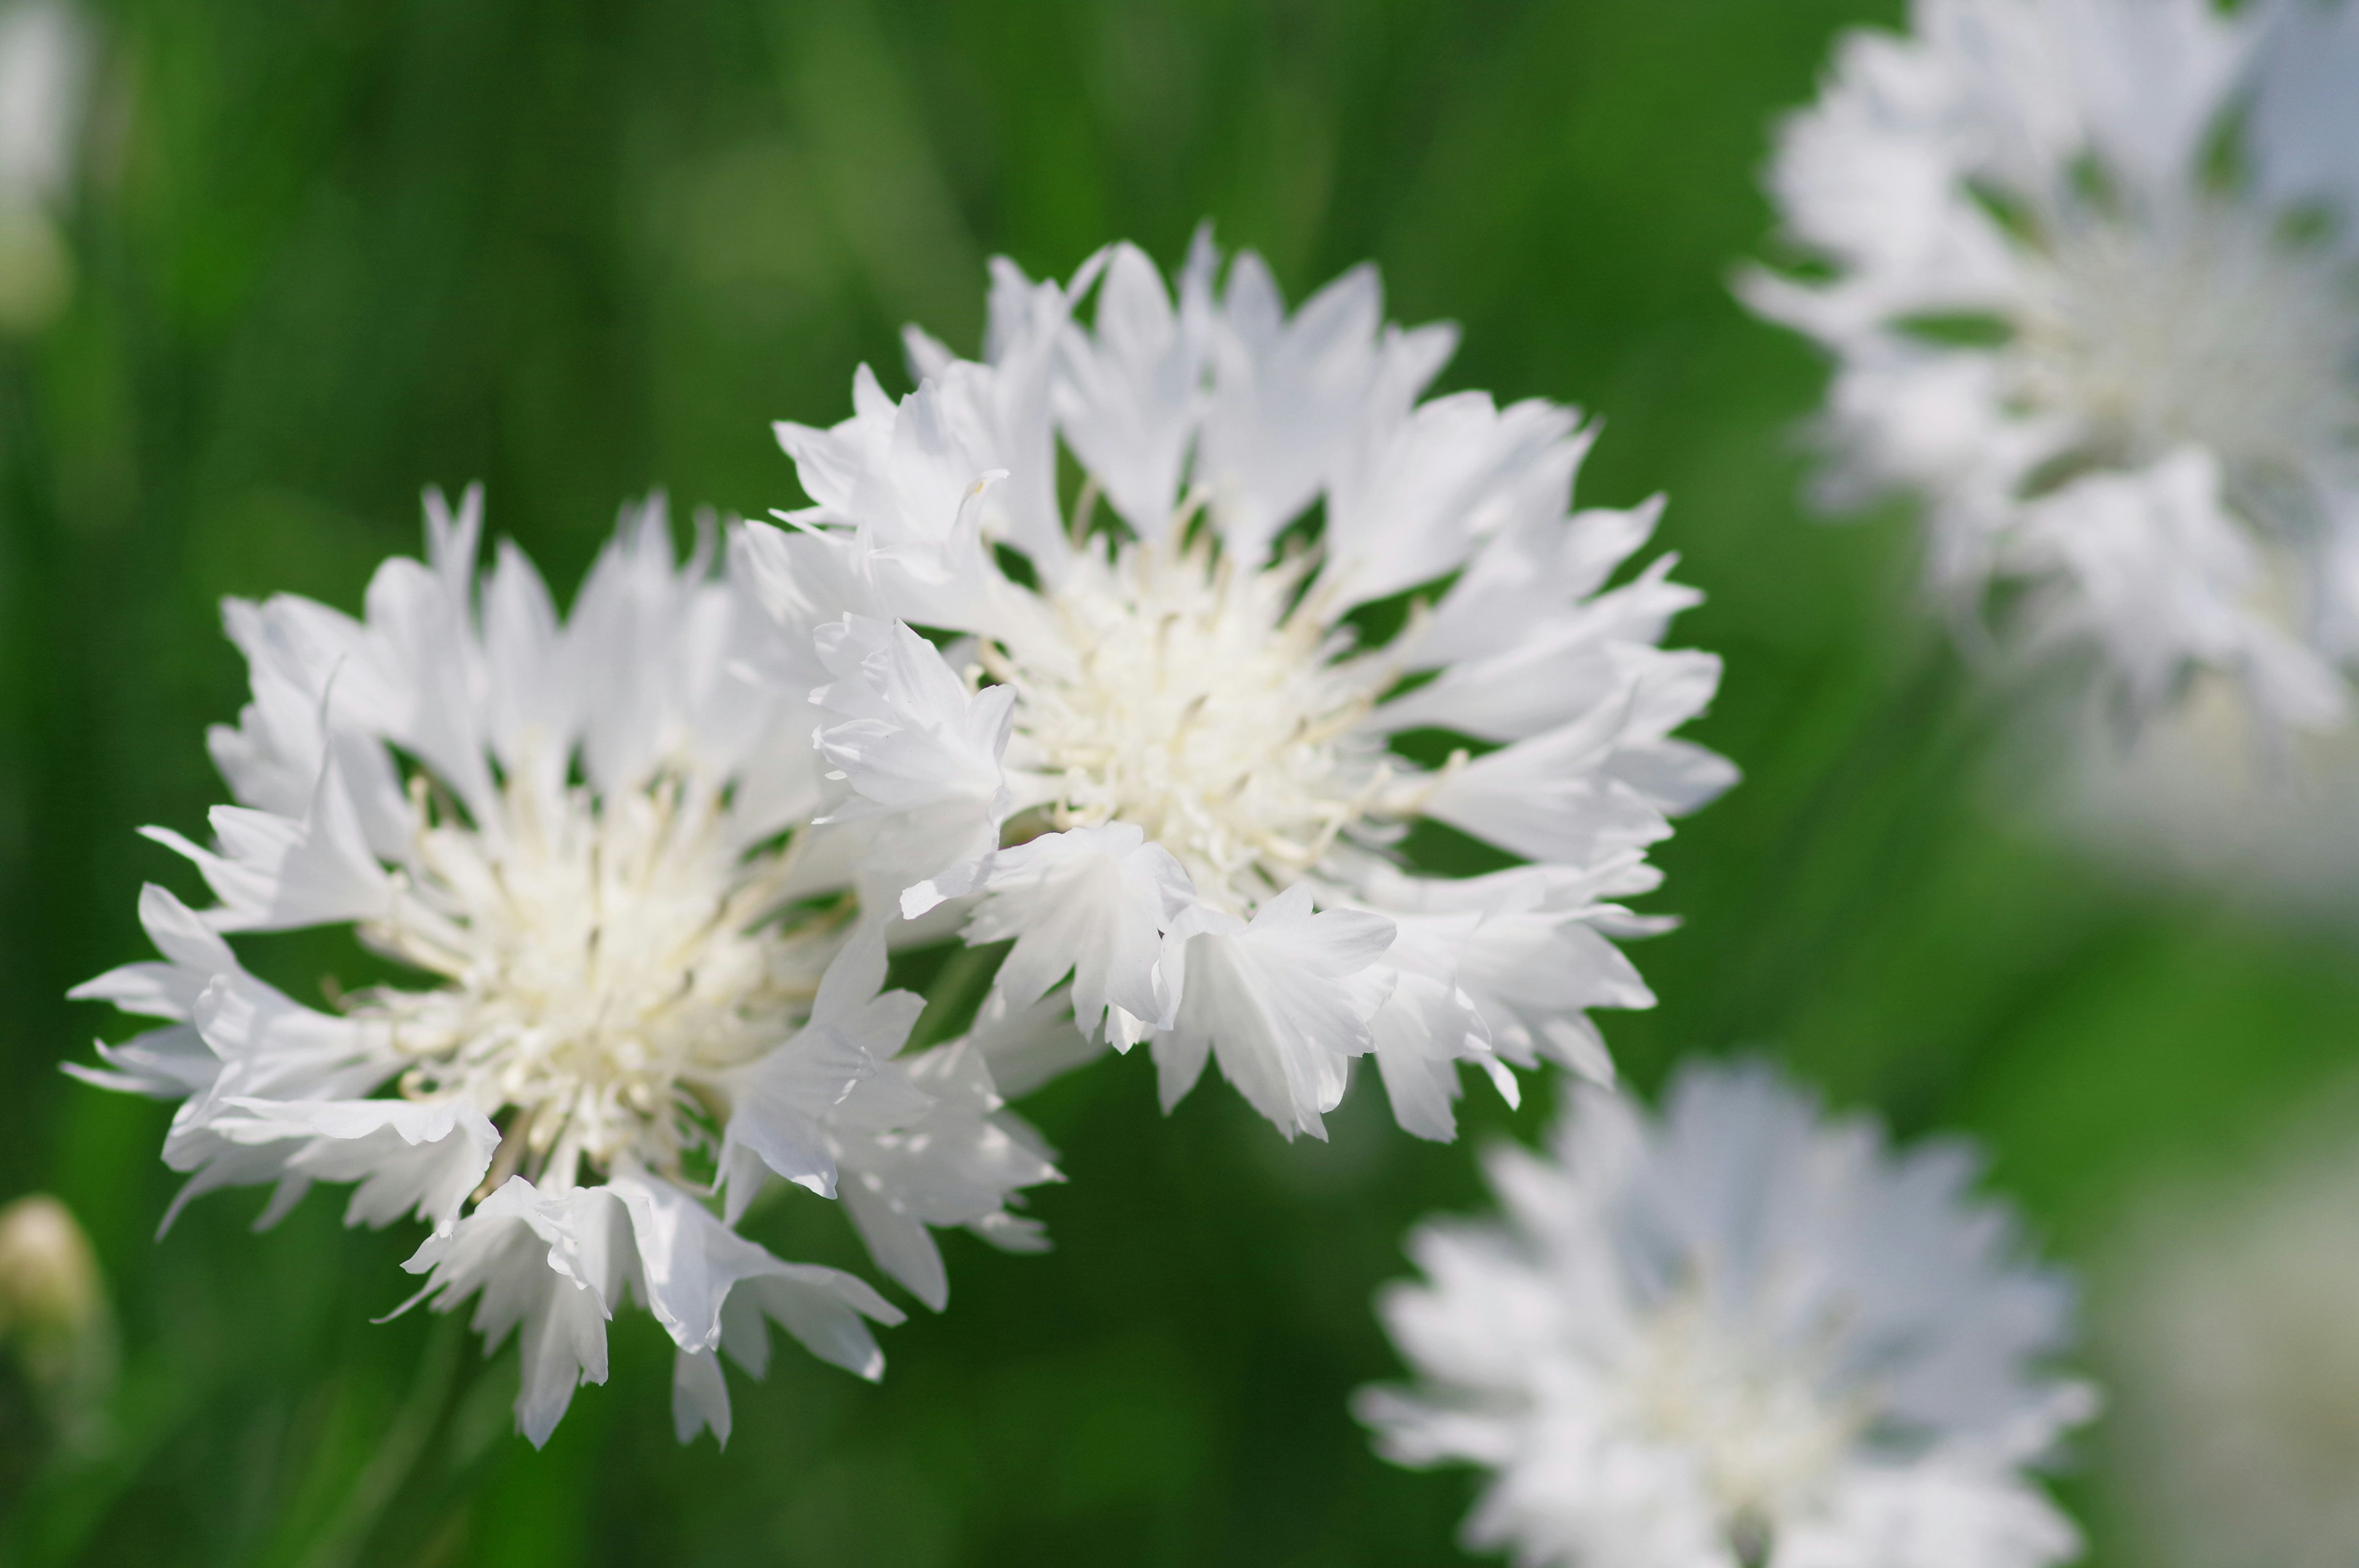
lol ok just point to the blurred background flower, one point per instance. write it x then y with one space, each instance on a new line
2093 297
2086 270
44 68
2234 1355
2206 796
1737 1334
328 255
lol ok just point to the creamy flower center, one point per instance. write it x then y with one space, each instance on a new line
1210 705
2214 331
604 961
1755 1417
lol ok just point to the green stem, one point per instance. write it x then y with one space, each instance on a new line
380 1480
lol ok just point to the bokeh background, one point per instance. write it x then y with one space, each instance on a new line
321 255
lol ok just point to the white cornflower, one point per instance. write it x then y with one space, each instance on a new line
2229 1344
1168 741
1737 1334
2094 292
634 971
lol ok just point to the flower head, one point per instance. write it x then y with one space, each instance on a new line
634 968
1172 730
2095 294
1736 1335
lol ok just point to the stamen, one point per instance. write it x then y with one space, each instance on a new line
608 960
1208 703
2215 331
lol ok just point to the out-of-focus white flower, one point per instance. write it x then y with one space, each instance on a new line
2233 1352
1156 746
1738 1335
45 52
642 972
2094 293
2207 795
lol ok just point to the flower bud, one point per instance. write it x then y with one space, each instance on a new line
54 1318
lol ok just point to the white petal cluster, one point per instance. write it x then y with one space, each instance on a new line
2091 285
1736 1335
636 972
1151 729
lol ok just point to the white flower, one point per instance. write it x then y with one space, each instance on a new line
1153 741
1737 1334
2094 293
2234 1355
640 970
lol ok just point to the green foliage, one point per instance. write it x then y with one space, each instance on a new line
328 253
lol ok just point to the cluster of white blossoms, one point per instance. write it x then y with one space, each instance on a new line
1736 1336
1165 733
1153 645
2091 283
637 868
636 971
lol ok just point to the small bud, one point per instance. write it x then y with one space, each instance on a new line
53 1315
48 1278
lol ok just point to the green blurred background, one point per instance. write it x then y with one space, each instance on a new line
329 251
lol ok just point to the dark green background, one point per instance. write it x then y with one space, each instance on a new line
331 250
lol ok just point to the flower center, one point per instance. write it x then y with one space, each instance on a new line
605 960
1754 1417
1209 705
2217 332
